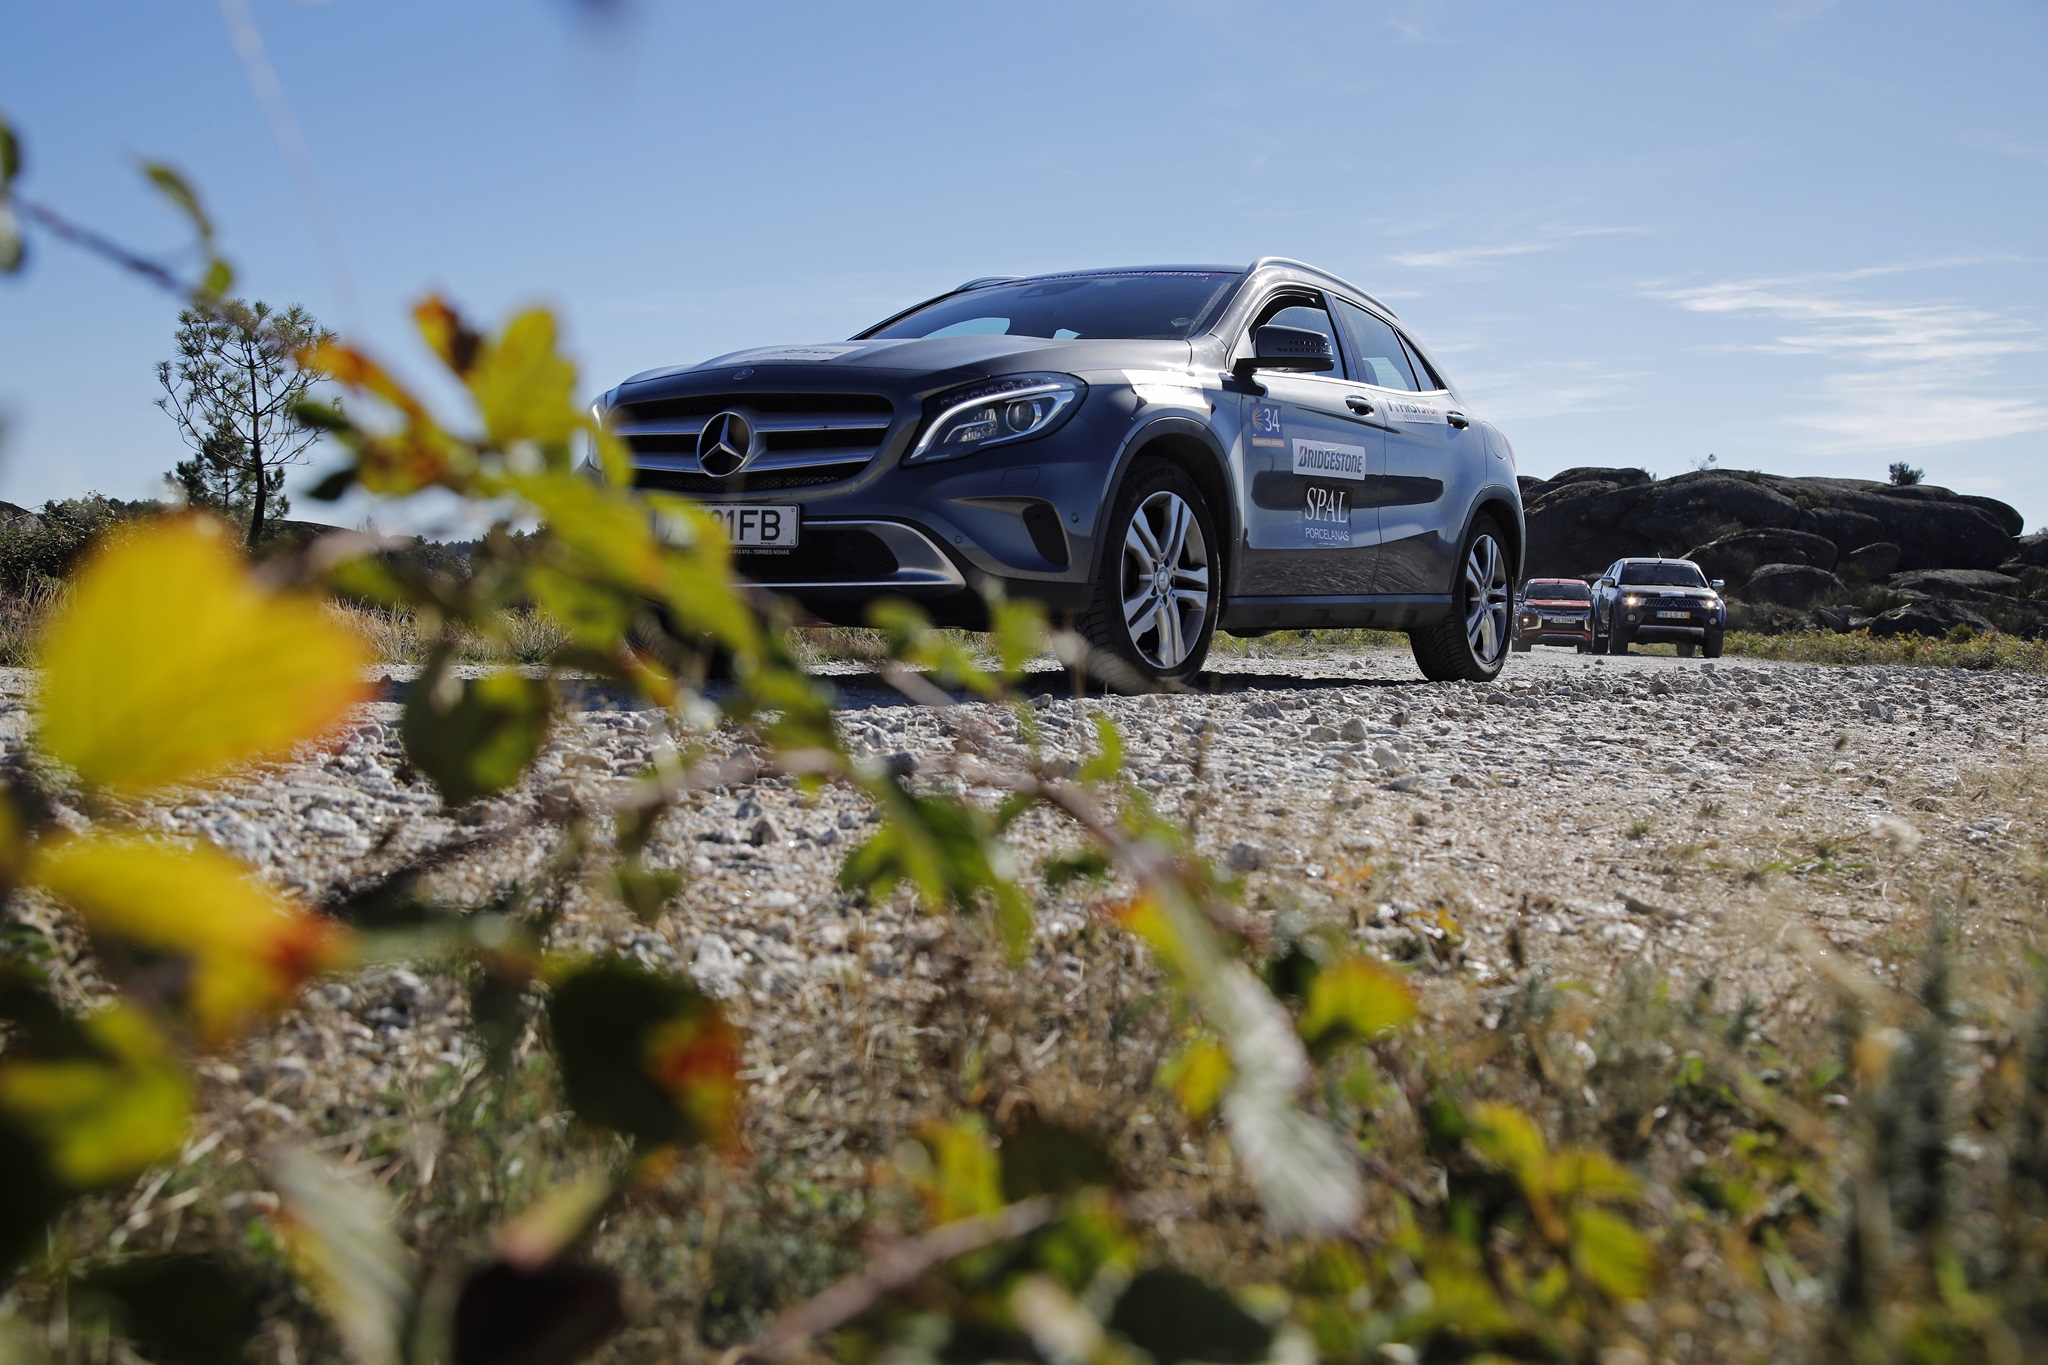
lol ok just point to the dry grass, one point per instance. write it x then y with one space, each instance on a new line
528 636
1994 651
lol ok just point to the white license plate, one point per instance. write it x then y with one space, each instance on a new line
1564 621
1675 615
759 528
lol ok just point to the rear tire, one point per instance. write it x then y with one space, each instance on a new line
1711 646
1158 587
1471 644
1617 643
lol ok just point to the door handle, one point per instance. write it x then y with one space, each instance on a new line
1457 419
1359 405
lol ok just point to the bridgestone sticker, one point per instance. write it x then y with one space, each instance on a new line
1328 460
1326 517
1412 410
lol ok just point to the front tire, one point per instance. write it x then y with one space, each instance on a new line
1617 642
1711 646
1684 648
1159 588
1471 644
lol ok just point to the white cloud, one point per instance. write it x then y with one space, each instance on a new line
1559 389
1546 240
1911 374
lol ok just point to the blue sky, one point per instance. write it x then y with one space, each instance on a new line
1802 237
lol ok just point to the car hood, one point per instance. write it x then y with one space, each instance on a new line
944 355
1665 590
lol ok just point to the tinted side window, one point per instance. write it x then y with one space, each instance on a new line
1376 354
1429 377
1307 316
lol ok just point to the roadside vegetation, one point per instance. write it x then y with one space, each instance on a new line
1960 650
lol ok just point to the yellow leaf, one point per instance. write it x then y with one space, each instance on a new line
523 388
1198 1075
966 1177
1590 1175
249 948
1610 1253
1356 998
1510 1140
171 662
102 1119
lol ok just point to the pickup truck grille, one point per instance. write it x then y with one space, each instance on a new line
807 439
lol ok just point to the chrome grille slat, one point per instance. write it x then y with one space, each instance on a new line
836 434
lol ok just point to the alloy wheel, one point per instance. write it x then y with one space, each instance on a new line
1165 582
1486 599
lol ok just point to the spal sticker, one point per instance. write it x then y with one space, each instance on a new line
1267 427
1327 459
1326 516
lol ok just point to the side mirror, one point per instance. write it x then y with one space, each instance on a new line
1286 348
1603 582
1717 582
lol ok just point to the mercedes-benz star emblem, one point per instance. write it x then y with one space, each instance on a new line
725 445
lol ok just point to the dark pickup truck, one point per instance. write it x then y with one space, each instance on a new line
1650 600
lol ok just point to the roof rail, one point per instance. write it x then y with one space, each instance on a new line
981 280
1290 262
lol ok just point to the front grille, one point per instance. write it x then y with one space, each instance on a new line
697 485
796 430
824 555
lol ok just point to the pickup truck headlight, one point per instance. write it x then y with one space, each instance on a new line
993 412
1632 601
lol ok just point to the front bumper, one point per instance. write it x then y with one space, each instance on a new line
1532 628
1650 628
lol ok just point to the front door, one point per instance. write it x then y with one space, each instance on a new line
1309 451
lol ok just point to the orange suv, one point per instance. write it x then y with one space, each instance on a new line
1554 611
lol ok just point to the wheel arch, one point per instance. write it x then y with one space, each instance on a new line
1506 510
1194 448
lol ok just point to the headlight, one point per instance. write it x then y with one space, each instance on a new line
995 412
1632 601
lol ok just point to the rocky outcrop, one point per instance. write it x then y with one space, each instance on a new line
1879 559
1584 519
1790 585
1735 557
1965 585
1931 617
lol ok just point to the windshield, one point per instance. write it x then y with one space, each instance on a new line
1558 592
1667 575
1150 305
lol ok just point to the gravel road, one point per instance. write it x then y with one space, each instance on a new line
1734 820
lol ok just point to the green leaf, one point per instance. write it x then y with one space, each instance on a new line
964 1179
481 740
10 155
1017 630
551 1314
177 1310
174 187
1050 1158
646 891
1610 1253
332 486
102 1097
1197 1076
1174 1317
949 851
1074 865
1107 762
648 1056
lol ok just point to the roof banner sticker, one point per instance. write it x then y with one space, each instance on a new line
1326 518
1328 460
1167 386
1267 427
1415 410
828 351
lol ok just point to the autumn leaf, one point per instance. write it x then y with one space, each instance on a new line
1357 999
104 1107
249 948
171 662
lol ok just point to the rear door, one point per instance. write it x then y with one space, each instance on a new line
1310 452
1419 530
